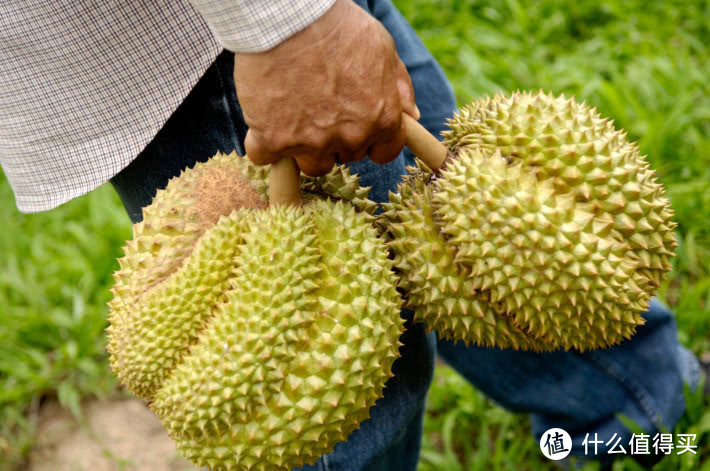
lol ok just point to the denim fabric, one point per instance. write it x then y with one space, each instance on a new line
641 378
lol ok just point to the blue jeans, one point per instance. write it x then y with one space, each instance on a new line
581 393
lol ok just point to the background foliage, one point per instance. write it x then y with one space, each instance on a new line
644 63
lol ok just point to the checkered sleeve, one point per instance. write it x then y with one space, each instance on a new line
258 25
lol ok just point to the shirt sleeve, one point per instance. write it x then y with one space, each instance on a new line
258 25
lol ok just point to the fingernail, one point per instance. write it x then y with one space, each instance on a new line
416 110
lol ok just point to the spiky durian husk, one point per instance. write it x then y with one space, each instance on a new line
552 217
267 340
546 258
439 290
177 218
579 152
159 327
172 225
300 350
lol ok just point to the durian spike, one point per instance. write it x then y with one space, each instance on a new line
425 146
285 183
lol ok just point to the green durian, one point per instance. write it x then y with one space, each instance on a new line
555 221
272 335
170 232
579 152
440 291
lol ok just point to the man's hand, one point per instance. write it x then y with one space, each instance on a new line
333 92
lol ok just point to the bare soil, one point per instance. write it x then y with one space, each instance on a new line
119 434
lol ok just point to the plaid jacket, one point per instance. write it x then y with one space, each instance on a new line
86 84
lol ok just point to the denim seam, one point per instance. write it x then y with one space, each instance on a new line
645 400
324 461
225 101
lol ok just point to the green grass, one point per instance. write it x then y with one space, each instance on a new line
55 271
644 63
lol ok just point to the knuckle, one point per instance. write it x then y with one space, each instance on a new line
353 138
275 141
310 142
317 141
390 120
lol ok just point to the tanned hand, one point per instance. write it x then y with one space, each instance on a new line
332 92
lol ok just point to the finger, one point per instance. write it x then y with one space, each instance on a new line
360 153
345 154
387 149
406 91
350 143
315 166
350 155
257 152
342 157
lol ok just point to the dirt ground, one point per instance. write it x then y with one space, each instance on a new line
120 434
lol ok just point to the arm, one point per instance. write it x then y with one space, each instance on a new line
333 89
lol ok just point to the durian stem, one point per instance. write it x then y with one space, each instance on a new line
285 183
423 144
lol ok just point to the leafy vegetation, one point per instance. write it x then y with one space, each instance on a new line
644 63
55 275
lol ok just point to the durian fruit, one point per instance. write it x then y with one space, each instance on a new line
270 339
581 153
440 291
179 215
553 218
170 231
